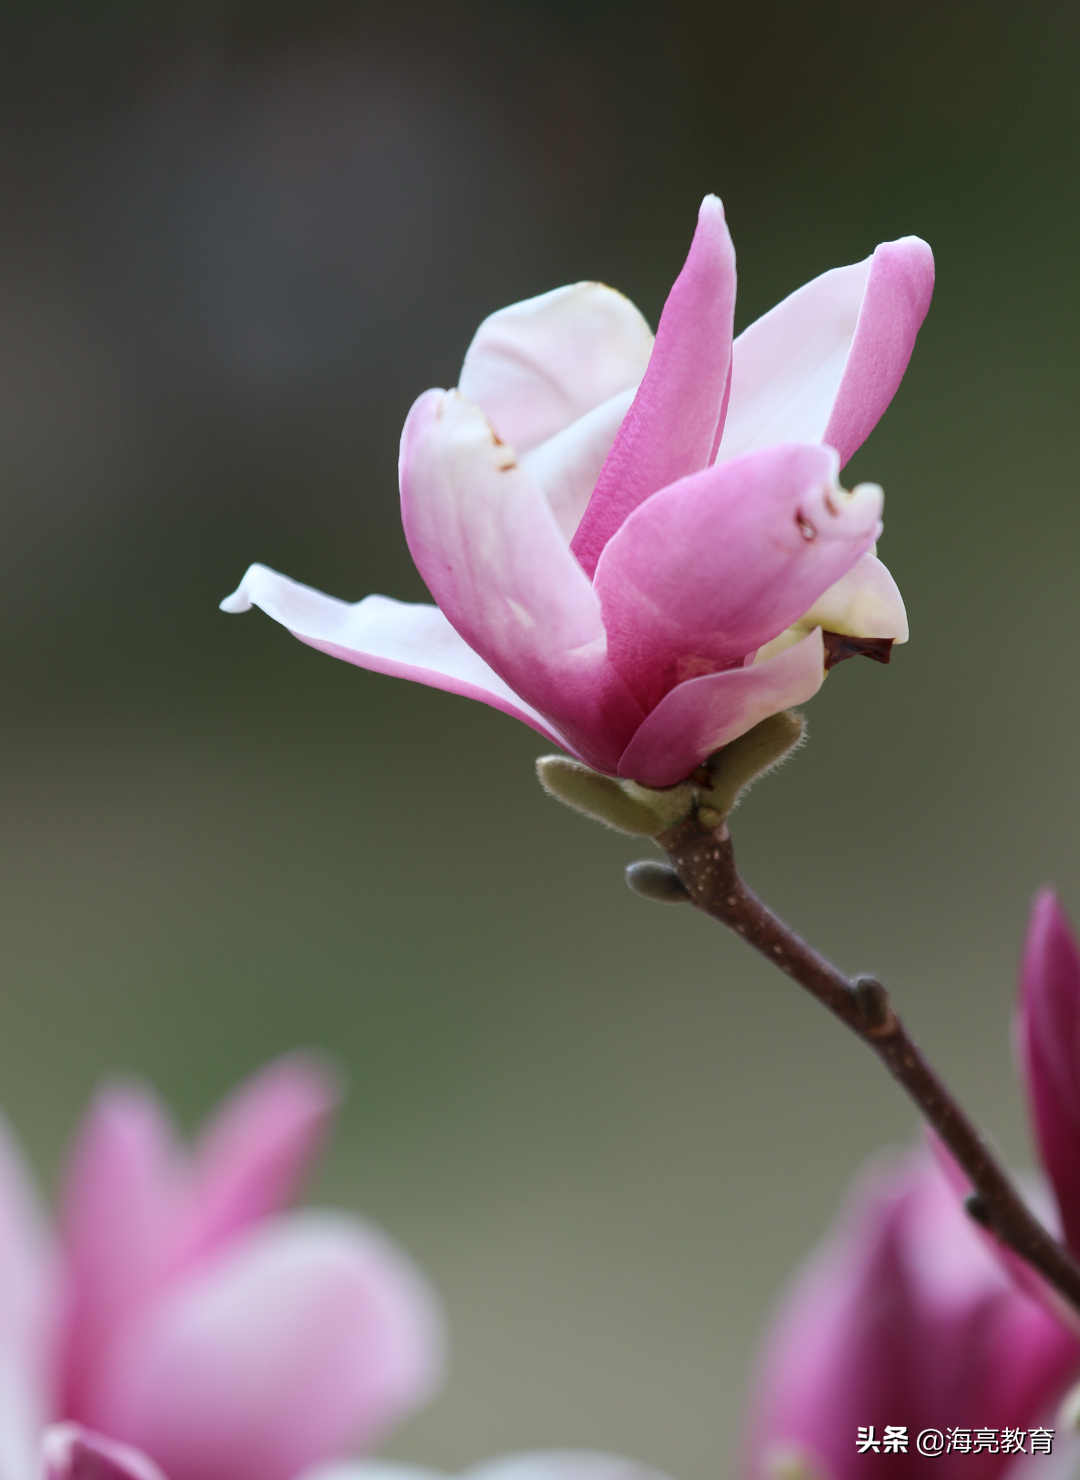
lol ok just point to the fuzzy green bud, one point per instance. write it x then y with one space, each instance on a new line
711 792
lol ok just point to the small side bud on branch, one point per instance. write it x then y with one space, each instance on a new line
656 881
976 1208
873 1003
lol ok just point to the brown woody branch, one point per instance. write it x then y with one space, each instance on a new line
704 863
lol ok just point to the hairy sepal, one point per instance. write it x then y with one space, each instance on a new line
712 792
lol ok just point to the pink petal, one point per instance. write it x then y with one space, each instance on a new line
897 300
485 541
254 1154
702 714
671 428
1049 1040
384 636
567 465
823 365
118 1207
304 1338
536 366
720 563
70 1452
30 1291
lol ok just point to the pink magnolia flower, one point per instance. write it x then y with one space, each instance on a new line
180 1321
1048 1033
636 545
912 1315
904 1317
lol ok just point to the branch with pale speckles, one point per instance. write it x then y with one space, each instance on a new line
704 863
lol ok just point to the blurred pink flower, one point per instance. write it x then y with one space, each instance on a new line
903 1317
1048 1033
182 1312
635 544
910 1313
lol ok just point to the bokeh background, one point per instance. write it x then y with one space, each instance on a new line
235 242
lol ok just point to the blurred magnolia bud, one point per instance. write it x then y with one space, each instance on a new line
656 881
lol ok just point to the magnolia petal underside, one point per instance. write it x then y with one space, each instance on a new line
1049 1041
402 639
487 545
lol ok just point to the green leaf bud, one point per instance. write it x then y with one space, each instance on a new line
656 881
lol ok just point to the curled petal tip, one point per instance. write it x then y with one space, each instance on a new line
237 602
246 593
834 512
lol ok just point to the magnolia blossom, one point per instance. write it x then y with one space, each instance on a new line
910 1314
180 1322
1048 1033
640 546
903 1317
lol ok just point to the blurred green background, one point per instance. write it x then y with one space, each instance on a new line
236 242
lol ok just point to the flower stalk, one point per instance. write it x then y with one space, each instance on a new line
703 861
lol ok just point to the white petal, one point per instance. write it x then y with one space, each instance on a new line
403 639
787 366
536 366
29 1296
866 602
824 364
567 465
